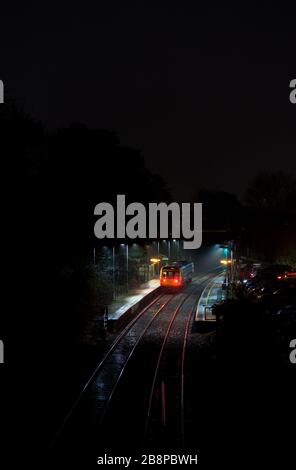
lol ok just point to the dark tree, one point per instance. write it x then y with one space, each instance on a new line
274 191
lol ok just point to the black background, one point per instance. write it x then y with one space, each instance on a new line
203 91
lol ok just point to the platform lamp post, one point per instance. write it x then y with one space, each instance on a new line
233 257
113 272
155 261
225 262
177 250
227 267
158 266
126 263
157 256
127 280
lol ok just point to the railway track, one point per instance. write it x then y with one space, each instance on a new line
138 387
165 414
165 421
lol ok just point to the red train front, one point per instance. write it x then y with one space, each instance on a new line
177 274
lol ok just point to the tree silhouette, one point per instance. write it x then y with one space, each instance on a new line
221 210
58 178
274 191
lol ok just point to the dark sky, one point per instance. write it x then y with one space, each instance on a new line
203 91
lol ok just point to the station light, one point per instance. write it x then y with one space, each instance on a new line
155 260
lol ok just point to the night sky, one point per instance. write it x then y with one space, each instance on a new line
203 91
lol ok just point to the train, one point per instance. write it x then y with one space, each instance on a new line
177 274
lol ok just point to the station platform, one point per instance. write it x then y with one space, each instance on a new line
122 308
119 306
211 294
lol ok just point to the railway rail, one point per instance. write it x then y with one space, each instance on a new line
137 392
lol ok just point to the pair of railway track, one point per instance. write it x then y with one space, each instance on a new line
136 395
